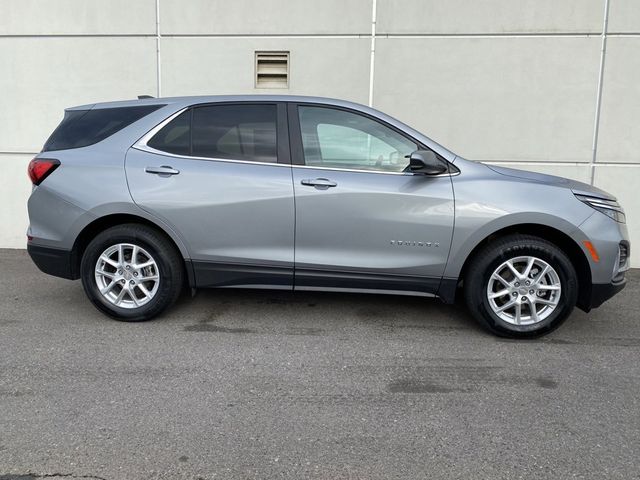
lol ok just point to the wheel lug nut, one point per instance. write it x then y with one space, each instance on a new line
132 282
135 274
122 281
119 272
128 267
517 284
515 294
524 299
531 291
527 283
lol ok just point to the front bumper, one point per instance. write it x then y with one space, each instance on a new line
601 292
54 261
608 267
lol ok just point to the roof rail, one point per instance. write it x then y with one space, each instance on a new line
140 97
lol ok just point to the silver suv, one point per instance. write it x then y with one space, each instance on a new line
142 198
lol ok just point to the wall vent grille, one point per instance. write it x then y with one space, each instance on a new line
272 69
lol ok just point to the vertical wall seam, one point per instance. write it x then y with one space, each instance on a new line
158 64
372 64
596 123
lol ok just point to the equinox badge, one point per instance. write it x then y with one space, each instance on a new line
414 244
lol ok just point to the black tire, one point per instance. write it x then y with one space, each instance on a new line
169 264
489 258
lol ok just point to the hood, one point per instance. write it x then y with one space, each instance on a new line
573 185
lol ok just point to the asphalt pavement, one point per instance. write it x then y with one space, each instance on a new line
243 384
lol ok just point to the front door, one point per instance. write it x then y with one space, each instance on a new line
362 220
219 174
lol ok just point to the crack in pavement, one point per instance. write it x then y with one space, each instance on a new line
31 476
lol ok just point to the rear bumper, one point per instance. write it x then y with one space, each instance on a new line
54 261
601 292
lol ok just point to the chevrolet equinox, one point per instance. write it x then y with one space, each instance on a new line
142 198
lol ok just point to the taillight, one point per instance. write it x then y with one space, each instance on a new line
41 168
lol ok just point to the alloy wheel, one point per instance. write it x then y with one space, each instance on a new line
524 290
127 276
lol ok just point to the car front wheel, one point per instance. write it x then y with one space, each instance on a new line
521 286
131 272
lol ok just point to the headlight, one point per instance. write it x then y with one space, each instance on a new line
610 208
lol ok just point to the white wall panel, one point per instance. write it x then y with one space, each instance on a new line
513 99
14 193
624 16
42 76
489 16
77 17
249 17
619 136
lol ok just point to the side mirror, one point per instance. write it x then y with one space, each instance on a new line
426 162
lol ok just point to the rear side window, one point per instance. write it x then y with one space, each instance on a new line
80 128
235 132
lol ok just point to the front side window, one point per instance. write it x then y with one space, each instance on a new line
235 132
335 138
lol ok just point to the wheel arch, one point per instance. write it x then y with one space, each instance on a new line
102 223
563 241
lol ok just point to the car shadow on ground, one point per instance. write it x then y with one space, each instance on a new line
263 311
251 311
235 310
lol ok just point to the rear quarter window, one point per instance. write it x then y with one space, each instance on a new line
80 128
175 136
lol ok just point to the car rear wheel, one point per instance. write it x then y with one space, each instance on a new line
131 272
521 286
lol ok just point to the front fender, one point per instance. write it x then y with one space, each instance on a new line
467 236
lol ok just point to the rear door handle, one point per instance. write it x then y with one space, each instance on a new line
162 170
319 182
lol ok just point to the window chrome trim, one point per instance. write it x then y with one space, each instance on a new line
142 146
378 172
146 148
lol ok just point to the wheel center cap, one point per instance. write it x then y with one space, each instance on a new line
523 291
127 275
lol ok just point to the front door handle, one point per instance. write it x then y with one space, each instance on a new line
163 170
319 182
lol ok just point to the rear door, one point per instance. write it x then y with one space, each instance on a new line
362 220
220 175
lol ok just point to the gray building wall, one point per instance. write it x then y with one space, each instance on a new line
545 85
